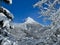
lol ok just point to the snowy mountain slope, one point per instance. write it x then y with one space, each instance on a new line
30 20
30 33
30 28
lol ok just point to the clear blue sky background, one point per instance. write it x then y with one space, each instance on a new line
22 9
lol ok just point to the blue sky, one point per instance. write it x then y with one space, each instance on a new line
22 9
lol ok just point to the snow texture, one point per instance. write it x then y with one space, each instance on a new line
30 32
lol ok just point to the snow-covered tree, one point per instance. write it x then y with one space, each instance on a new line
51 9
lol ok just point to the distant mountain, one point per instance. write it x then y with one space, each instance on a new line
29 33
30 20
28 28
33 33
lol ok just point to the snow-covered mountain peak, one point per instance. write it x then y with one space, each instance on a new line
30 20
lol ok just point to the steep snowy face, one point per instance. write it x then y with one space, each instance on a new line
30 20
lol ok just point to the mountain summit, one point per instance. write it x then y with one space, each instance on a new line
29 20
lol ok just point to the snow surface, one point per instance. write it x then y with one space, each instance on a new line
29 20
10 1
28 33
1 14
